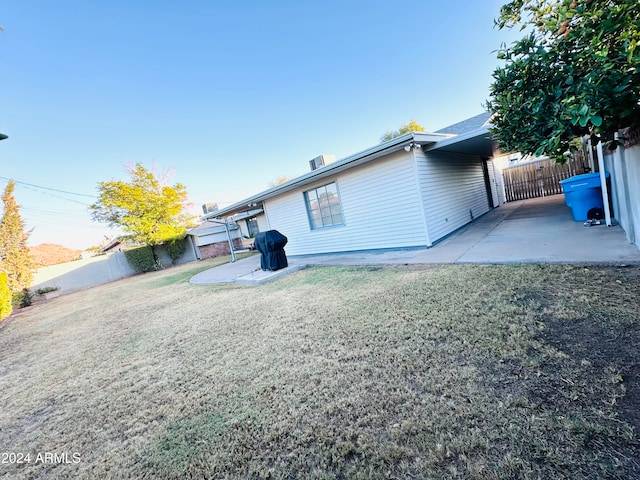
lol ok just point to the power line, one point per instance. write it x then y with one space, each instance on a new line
48 188
38 211
33 189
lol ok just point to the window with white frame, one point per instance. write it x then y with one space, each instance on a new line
323 206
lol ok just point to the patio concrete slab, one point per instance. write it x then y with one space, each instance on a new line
229 272
260 277
542 230
538 230
244 272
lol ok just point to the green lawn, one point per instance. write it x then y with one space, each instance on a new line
474 372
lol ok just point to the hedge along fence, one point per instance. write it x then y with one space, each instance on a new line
142 259
175 248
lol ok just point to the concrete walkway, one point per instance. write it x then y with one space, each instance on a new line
539 230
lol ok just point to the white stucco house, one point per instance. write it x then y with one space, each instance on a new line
408 192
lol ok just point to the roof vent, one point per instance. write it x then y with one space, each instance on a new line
321 161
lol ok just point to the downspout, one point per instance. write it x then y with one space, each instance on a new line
603 184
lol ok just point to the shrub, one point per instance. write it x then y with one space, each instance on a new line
6 297
22 298
175 247
142 259
43 290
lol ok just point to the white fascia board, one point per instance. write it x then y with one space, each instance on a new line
452 140
346 163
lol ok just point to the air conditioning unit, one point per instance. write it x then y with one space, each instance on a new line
321 161
209 207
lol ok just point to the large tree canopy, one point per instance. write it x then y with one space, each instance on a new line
412 126
152 213
15 256
575 73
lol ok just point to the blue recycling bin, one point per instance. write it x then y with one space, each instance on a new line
582 193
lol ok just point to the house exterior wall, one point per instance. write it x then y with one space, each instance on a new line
380 204
263 224
624 167
453 191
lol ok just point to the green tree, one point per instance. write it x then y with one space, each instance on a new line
149 211
412 126
575 73
279 181
6 305
15 257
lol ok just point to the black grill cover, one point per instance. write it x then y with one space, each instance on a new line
271 244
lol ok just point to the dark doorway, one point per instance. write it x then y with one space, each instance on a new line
252 226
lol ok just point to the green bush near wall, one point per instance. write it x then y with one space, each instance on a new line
175 248
6 297
22 298
141 259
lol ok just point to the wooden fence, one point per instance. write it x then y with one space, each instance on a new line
540 179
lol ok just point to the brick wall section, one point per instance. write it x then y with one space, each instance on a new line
218 249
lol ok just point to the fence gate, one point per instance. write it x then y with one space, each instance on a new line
540 179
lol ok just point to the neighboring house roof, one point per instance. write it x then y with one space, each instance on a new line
468 137
111 245
210 228
119 243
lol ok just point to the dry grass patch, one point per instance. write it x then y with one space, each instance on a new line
441 372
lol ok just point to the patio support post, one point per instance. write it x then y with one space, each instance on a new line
603 184
233 252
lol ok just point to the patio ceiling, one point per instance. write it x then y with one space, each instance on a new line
477 142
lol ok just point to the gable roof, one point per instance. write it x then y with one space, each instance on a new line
469 136
468 125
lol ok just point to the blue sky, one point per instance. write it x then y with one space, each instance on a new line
229 95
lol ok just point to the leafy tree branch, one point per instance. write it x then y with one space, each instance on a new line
575 73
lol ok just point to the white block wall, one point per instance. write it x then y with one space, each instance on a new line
624 167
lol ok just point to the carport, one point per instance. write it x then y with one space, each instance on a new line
542 230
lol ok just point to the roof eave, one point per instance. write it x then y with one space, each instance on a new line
458 138
479 140
385 148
